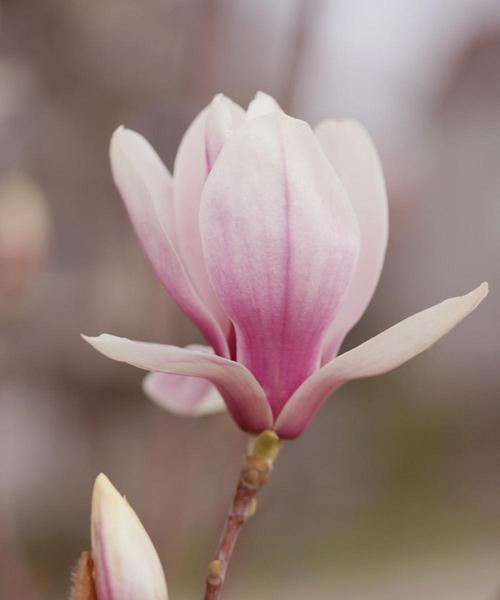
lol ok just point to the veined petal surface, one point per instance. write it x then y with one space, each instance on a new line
380 354
280 240
244 397
352 154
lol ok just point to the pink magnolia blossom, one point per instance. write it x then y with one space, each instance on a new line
126 564
271 237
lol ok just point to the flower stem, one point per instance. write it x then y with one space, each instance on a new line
257 466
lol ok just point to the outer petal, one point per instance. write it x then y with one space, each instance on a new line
261 105
380 354
146 188
244 397
280 241
125 561
223 117
198 150
184 396
354 158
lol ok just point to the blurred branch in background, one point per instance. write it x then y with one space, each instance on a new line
24 239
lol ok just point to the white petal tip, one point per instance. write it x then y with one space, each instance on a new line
475 297
105 344
218 98
92 340
119 132
104 494
127 141
481 292
122 134
102 485
102 482
260 95
261 105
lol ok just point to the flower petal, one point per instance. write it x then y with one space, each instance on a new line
182 395
146 188
198 150
354 158
223 117
244 397
125 561
280 240
380 354
261 105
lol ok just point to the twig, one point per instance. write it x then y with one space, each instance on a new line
255 472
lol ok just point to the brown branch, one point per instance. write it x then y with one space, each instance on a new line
255 472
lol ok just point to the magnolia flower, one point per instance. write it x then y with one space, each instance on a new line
125 563
271 237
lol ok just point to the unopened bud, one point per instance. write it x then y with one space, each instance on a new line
126 564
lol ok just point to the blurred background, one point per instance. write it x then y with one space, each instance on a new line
394 492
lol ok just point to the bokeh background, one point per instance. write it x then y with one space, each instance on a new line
394 492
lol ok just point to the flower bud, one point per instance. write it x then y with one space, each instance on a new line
126 564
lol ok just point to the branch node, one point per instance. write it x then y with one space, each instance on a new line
214 576
255 472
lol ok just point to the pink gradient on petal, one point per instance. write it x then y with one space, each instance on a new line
272 239
242 394
146 189
190 173
380 354
280 240
198 149
101 564
182 395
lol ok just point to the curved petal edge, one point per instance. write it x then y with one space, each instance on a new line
183 395
353 155
380 354
280 240
146 188
244 397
